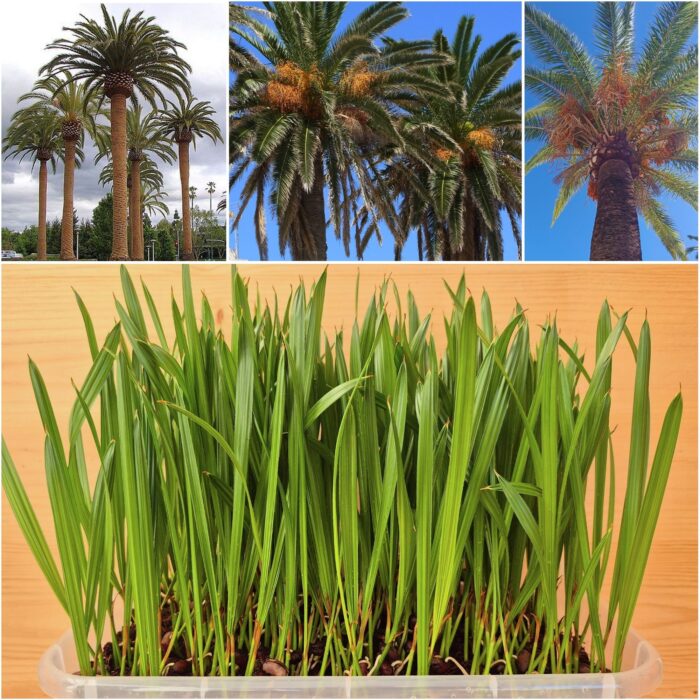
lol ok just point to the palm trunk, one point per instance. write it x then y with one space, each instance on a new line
313 211
43 183
135 220
616 228
184 163
120 249
68 185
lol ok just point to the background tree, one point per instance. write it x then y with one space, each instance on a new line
186 120
97 244
625 124
312 106
211 188
115 59
77 113
35 133
164 234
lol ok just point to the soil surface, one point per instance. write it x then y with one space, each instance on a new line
178 663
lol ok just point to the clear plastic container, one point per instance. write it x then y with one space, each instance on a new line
642 663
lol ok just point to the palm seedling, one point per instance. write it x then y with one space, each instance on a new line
77 114
465 167
271 500
117 60
626 124
35 133
314 106
184 122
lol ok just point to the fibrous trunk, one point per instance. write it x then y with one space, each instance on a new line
120 250
313 213
43 182
184 163
135 219
616 228
68 184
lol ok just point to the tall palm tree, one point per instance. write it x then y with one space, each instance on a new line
623 123
465 165
144 139
35 133
116 60
184 121
211 188
77 113
311 107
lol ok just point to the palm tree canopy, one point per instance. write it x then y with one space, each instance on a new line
461 165
188 119
35 133
144 137
305 90
134 48
153 199
150 174
69 99
641 107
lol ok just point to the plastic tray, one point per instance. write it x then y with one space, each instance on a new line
642 663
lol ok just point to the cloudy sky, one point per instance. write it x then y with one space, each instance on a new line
201 27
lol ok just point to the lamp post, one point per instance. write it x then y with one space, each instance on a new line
77 244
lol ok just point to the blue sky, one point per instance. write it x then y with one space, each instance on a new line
570 237
493 20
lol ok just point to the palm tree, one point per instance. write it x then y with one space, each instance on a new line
115 59
144 139
77 113
464 168
315 112
185 121
211 188
623 123
35 132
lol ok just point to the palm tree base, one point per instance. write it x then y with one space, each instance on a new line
187 256
120 258
68 258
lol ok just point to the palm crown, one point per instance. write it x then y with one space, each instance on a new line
75 108
453 194
187 119
132 53
638 108
35 133
314 110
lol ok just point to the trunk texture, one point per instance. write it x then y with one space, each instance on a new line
120 248
616 228
313 212
68 185
135 219
43 182
184 162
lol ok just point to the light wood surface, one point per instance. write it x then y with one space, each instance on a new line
40 319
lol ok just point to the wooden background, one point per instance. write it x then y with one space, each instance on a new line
40 319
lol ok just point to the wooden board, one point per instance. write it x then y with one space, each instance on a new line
40 319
